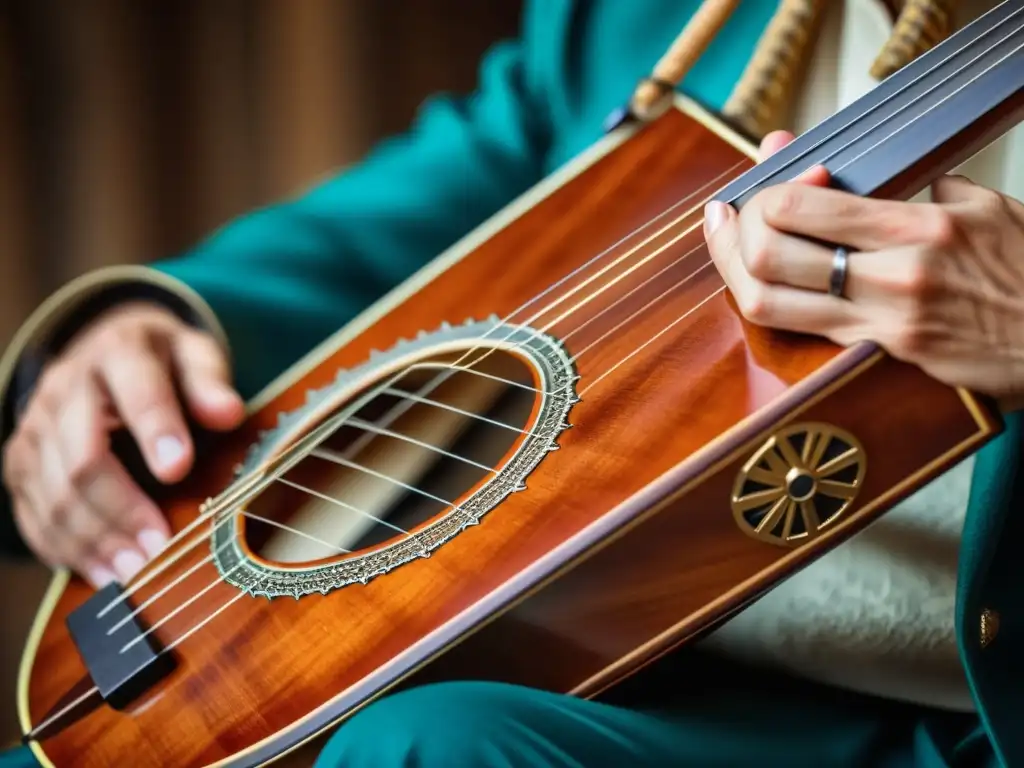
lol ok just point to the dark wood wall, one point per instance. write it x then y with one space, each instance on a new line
128 128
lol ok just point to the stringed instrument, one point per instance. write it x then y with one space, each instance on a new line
409 504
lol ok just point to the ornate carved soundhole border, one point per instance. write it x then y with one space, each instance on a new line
558 394
798 483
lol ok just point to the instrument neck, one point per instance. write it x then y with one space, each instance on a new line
918 124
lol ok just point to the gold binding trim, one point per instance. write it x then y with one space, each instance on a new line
455 254
798 482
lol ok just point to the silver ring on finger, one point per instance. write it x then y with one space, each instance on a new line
837 278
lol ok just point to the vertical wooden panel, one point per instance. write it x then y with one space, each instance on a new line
23 583
311 90
219 176
18 287
107 182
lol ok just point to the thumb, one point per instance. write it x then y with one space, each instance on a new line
205 379
722 233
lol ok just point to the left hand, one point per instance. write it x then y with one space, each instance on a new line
939 285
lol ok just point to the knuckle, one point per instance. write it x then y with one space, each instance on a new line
760 260
14 465
53 379
28 431
903 342
52 536
990 201
44 547
79 551
940 228
150 412
915 276
115 338
83 468
199 339
781 203
909 340
18 452
206 355
61 512
893 229
91 547
755 305
32 422
14 449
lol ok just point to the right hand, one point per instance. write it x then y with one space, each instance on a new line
74 502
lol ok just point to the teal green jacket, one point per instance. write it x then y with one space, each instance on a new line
282 279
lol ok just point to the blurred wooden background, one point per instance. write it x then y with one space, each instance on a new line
130 128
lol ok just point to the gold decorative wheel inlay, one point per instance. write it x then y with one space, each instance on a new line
798 483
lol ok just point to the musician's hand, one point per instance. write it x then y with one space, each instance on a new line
940 285
74 502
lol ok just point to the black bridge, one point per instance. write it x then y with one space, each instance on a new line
121 674
123 663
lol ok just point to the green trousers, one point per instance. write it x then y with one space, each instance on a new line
688 710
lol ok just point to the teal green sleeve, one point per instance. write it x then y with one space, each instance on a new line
282 279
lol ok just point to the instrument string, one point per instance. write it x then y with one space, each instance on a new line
449 369
885 119
181 578
691 310
861 154
836 132
901 111
412 398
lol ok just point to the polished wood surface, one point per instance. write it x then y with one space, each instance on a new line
623 544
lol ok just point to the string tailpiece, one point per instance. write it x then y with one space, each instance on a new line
124 661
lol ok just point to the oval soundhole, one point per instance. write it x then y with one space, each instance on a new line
395 462
394 458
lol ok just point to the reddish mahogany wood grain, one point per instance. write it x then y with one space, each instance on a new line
682 377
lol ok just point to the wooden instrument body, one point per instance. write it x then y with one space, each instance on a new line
622 546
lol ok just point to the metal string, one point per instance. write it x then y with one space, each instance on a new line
845 165
448 371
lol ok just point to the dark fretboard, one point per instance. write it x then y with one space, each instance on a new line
921 122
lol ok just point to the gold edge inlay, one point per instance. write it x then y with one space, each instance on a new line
51 597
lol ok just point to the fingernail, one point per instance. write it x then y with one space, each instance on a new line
225 398
152 542
127 563
169 450
99 576
714 215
